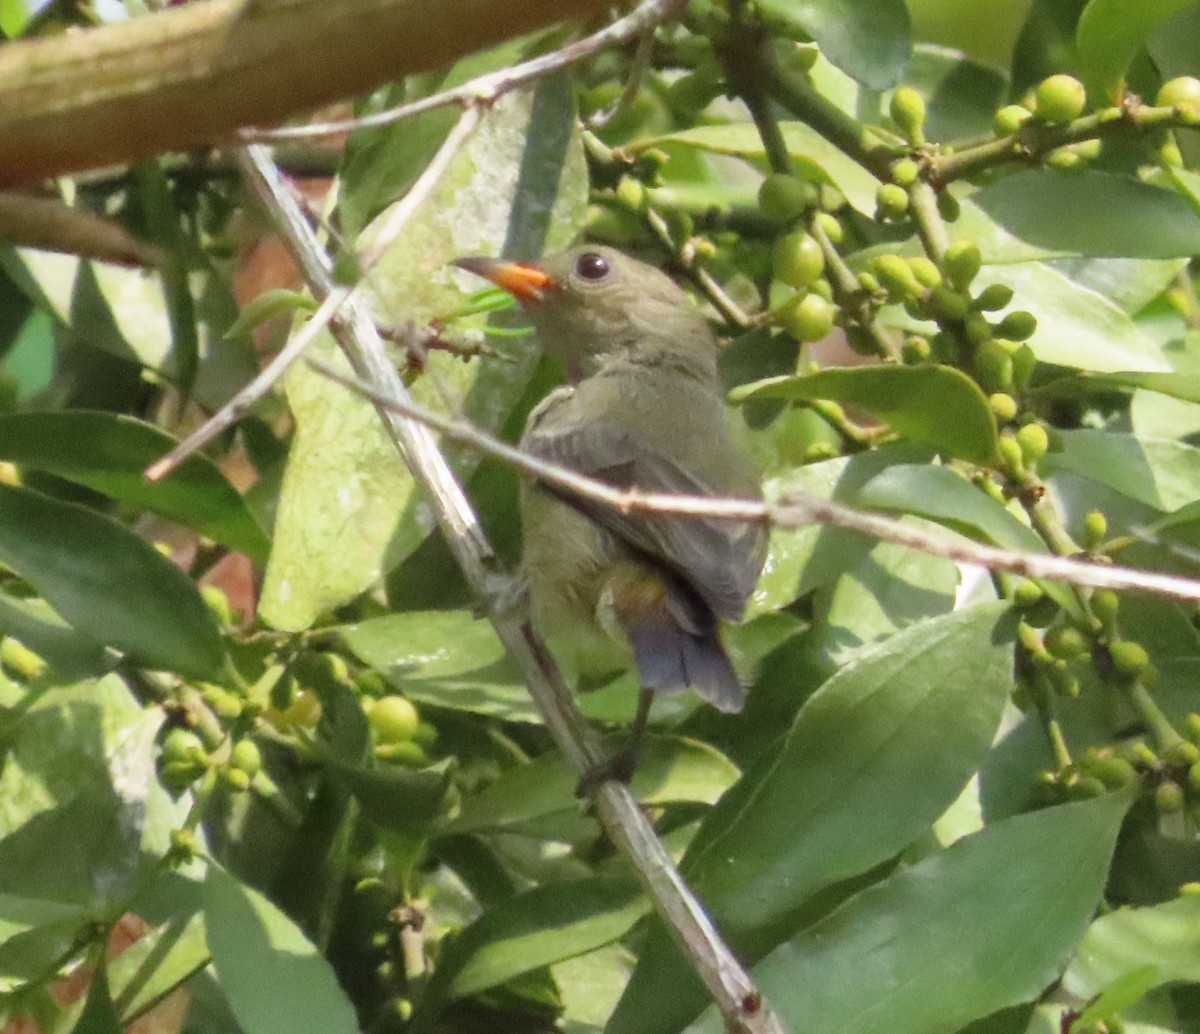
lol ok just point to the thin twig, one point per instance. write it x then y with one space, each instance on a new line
486 89
329 308
633 83
735 995
792 511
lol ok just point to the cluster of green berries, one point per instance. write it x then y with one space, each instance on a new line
398 735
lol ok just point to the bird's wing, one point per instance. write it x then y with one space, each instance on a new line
720 560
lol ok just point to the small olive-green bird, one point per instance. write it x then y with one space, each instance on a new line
644 409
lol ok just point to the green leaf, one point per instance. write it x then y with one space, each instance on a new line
814 156
537 928
1124 991
157 963
111 585
399 799
108 452
1185 386
448 658
1057 211
867 39
939 494
349 511
670 770
907 722
1010 902
934 405
1076 327
271 974
71 654
1161 473
1165 937
1111 32
99 1016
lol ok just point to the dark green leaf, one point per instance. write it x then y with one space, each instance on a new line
906 723
272 975
158 963
935 405
99 1016
866 39
1059 211
1110 33
108 452
1158 472
108 583
70 653
399 799
1010 902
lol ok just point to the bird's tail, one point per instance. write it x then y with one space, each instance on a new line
677 646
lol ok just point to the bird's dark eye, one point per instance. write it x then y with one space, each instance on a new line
591 266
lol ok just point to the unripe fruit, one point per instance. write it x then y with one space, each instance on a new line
808 319
1064 159
302 712
891 201
1024 362
948 206
785 197
1034 442
1018 325
822 288
1065 642
1182 754
1105 603
1181 92
925 270
915 350
1114 773
961 262
631 193
907 109
1095 528
993 297
1010 455
1010 118
425 735
868 282
1086 788
1191 727
393 719
183 745
1128 657
905 172
1193 779
945 304
20 661
246 757
993 367
1060 98
407 753
1003 406
1088 150
896 275
978 329
829 223
1027 593
798 259
1168 798
225 705
237 780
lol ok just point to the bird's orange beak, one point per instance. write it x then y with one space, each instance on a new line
523 280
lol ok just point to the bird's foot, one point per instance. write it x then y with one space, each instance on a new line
619 767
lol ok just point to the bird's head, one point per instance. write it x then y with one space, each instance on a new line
594 303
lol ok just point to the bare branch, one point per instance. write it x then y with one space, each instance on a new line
486 89
789 512
732 990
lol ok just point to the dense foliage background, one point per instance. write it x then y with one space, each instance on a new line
264 767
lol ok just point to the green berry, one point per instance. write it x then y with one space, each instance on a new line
798 259
1191 727
1129 658
945 304
948 206
1114 773
993 297
1060 98
1193 779
1086 788
631 193
237 780
961 262
1003 406
905 172
20 661
915 350
1018 325
408 754
993 367
183 745
393 719
978 329
829 223
1034 442
925 270
1066 642
1095 530
425 735
1104 605
896 276
786 197
1024 362
1182 754
907 109
1027 593
869 282
891 201
247 757
1088 150
1010 455
1181 92
1010 118
809 318
1168 798
1064 159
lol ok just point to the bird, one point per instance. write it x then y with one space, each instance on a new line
643 408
